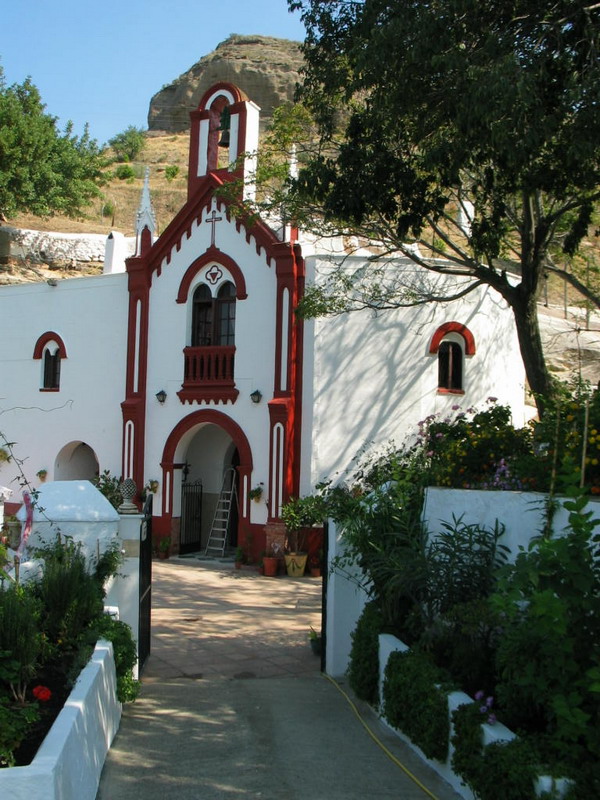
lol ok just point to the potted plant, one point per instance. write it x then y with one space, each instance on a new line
314 565
164 547
315 641
271 562
256 493
42 474
300 513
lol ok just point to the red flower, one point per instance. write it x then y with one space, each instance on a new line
42 693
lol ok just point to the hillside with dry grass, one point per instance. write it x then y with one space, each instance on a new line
116 208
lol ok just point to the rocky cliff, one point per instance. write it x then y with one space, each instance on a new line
266 69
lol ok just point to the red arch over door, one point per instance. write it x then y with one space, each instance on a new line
205 416
208 415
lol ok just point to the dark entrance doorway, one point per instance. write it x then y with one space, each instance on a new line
191 517
234 516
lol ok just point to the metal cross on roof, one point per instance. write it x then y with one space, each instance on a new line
213 219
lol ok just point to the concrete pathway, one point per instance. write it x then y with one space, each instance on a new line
233 705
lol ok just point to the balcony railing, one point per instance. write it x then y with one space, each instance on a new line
208 374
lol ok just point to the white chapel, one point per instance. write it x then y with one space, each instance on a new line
184 365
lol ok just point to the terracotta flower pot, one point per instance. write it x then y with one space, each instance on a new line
270 564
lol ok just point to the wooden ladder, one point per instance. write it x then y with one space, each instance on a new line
217 538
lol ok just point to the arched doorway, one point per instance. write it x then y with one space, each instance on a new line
199 452
207 461
76 461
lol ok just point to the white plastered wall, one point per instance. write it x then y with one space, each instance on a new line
369 377
90 316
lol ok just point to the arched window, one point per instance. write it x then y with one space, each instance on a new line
50 350
450 366
226 314
51 378
452 342
213 319
202 317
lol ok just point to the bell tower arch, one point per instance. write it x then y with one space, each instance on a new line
225 120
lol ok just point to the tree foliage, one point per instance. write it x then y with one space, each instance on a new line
42 171
463 134
128 144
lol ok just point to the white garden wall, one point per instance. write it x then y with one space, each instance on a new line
522 513
69 762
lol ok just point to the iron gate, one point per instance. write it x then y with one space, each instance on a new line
191 517
145 584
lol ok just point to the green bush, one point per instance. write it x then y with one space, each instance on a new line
508 771
549 651
483 450
110 486
479 450
499 771
363 671
467 741
125 172
119 633
15 721
128 144
69 595
21 640
171 172
414 702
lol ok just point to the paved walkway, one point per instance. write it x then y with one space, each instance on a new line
233 705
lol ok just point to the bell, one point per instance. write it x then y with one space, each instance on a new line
224 127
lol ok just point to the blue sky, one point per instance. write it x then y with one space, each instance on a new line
101 62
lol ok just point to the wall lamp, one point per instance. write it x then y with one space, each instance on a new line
161 396
256 396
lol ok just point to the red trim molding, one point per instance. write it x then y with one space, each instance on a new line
453 327
168 463
49 336
212 255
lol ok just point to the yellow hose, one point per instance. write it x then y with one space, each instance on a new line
377 741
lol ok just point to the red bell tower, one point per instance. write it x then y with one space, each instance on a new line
224 138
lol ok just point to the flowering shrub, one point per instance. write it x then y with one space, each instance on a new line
483 450
478 450
48 630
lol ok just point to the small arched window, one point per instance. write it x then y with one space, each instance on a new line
450 366
213 319
50 350
202 317
452 342
51 378
226 314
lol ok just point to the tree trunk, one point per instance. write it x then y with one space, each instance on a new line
539 379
